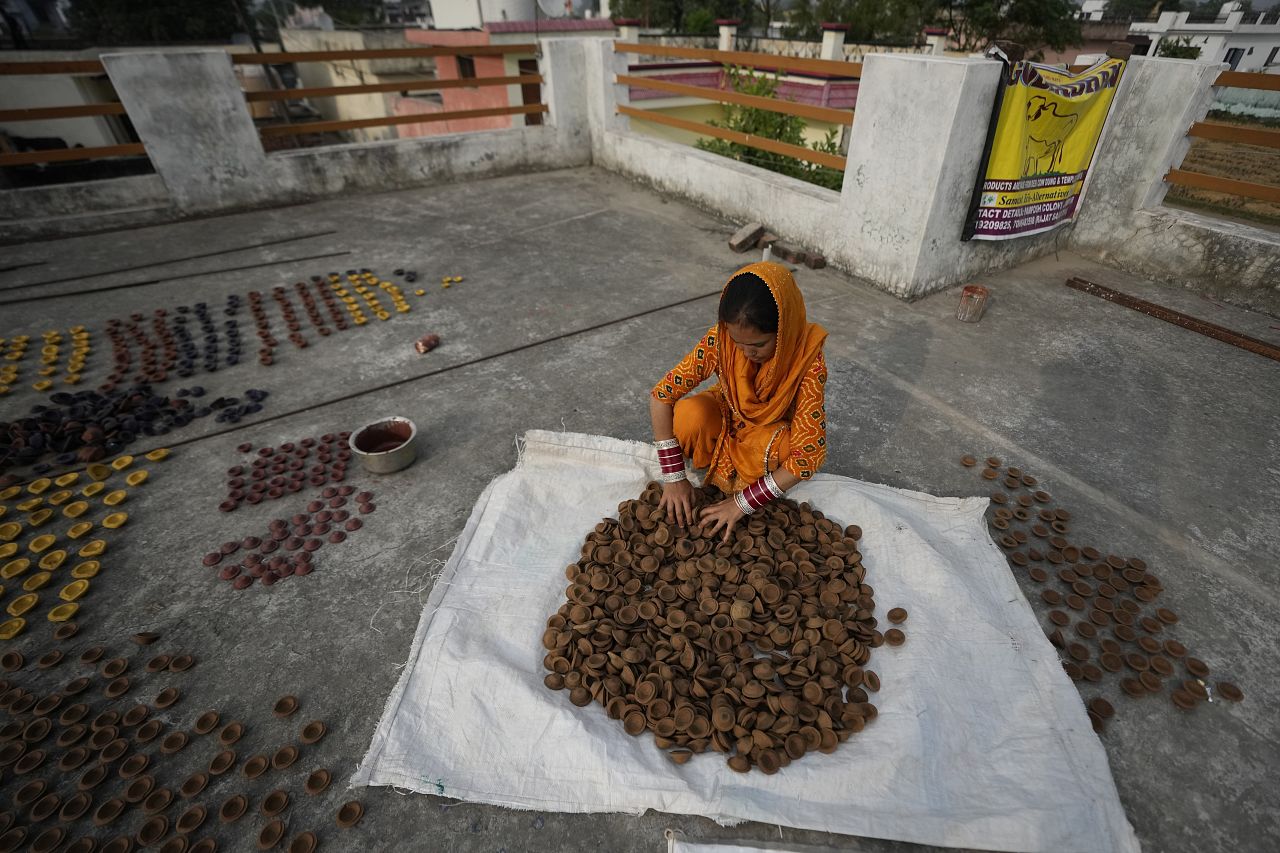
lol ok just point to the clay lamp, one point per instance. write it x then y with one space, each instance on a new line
66 631
70 736
92 778
222 762
182 663
206 722
317 782
194 784
313 731
73 714
153 830
92 655
305 842
134 765
174 742
157 801
349 814
285 706
284 757
274 803
190 820
139 789
117 688
48 841
75 807
231 733
113 750
148 731
233 809
256 766
165 698
108 812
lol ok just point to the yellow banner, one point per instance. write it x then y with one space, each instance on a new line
1045 136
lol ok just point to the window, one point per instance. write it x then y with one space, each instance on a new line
1233 57
466 68
1271 57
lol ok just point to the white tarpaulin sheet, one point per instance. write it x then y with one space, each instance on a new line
981 740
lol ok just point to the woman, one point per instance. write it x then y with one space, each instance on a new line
762 428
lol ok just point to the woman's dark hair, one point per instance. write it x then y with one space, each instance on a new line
747 300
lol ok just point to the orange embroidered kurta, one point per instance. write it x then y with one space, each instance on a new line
705 421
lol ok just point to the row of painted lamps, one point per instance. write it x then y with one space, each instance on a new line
40 510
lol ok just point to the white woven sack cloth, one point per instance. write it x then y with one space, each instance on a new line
981 740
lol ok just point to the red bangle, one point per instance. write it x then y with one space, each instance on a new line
670 456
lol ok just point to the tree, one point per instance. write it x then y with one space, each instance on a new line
108 22
1131 10
868 20
771 125
1179 48
1034 24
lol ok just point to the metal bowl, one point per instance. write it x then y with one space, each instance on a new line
386 445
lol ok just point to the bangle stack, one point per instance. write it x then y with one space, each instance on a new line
758 494
671 460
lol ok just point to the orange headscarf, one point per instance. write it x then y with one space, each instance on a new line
763 394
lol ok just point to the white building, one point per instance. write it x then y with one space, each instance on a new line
1246 43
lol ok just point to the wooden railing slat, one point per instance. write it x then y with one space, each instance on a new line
60 155
69 66
46 113
1249 80
831 161
402 86
386 121
1235 133
284 57
724 96
1199 180
830 67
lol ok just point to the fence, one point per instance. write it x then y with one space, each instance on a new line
1212 131
829 69
400 85
61 155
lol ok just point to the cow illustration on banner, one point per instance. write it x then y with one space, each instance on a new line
1045 133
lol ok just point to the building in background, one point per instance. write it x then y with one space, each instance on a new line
1246 41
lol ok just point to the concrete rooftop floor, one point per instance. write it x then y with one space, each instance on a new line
1163 444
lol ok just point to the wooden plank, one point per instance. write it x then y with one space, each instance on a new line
831 161
1186 321
44 113
70 66
61 155
1249 80
829 67
402 86
1235 133
726 97
422 118
387 53
1199 180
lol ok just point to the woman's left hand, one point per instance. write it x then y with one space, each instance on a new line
725 514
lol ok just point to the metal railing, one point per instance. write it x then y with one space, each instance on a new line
62 155
1223 132
414 85
830 69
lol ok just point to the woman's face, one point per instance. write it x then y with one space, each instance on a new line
756 345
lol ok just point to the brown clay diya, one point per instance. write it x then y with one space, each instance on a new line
92 654
350 813
157 663
1229 691
139 789
233 808
318 781
231 733
148 731
206 722
49 840
284 757
313 731
167 697
182 663
135 716
75 807
153 830
256 766
271 834
194 784
222 762
285 706
108 812
145 638
191 819
174 742
274 803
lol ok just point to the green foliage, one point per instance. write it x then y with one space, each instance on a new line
691 16
1179 48
121 22
868 20
702 21
1132 10
771 125
1034 24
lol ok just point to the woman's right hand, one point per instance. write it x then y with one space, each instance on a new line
677 502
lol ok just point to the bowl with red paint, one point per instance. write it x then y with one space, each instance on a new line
385 446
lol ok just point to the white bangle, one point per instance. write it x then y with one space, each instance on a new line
772 486
741 501
666 443
674 477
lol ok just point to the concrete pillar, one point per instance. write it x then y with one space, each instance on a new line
1145 136
188 110
833 41
628 30
602 65
565 90
728 33
914 152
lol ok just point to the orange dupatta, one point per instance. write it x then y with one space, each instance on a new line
760 397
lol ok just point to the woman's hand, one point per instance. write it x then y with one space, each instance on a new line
677 502
724 514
